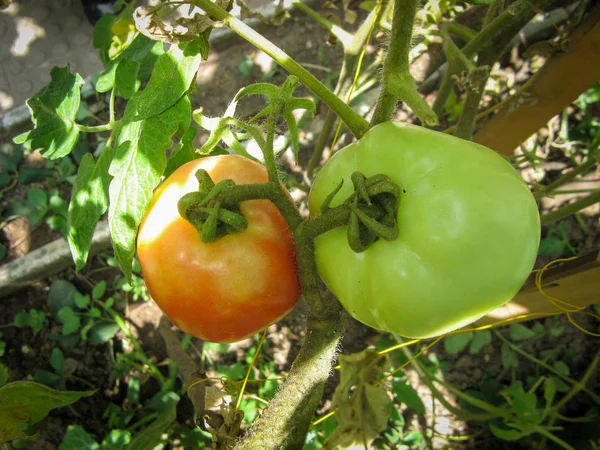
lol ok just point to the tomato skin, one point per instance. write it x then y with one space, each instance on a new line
469 232
228 289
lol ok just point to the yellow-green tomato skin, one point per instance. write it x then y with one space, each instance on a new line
469 232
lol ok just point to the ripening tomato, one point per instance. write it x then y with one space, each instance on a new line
228 289
469 231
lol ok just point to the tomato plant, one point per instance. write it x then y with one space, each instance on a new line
228 289
469 232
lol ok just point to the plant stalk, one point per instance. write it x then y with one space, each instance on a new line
398 83
357 125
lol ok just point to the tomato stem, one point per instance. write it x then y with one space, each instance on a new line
398 83
357 125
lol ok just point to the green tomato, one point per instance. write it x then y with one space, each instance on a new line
469 231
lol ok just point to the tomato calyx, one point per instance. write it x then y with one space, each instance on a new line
372 209
208 212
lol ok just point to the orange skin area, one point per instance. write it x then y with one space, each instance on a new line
229 289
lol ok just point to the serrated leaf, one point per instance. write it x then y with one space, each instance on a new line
136 168
99 290
143 51
406 394
22 319
76 438
37 198
171 78
552 245
26 402
183 153
507 435
126 78
57 360
45 377
549 391
53 110
133 391
10 157
357 396
102 332
69 319
89 201
149 437
28 175
102 36
456 343
509 358
116 440
562 368
519 332
62 293
481 338
81 301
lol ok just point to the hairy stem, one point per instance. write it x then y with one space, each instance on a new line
352 52
398 83
289 413
357 125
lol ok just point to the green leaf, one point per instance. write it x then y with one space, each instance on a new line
26 402
81 301
62 293
408 395
549 391
133 391
76 438
102 36
509 358
137 167
46 377
183 153
507 435
57 360
480 2
116 440
22 319
552 245
171 78
28 175
37 198
149 437
53 110
126 77
99 290
456 343
70 321
89 201
246 65
358 396
519 332
10 157
102 332
143 51
562 368
3 374
481 338
3 251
